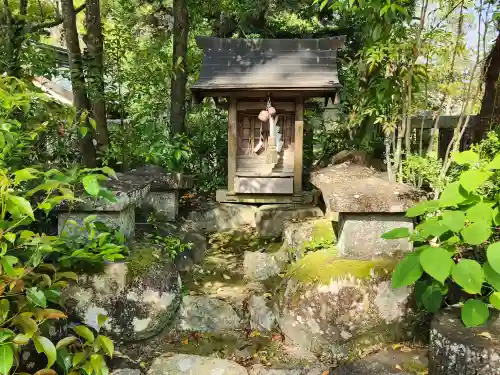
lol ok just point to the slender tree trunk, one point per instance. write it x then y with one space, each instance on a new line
179 78
80 98
95 70
490 108
14 31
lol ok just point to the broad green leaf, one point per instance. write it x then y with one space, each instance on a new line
11 237
493 255
91 185
469 275
437 263
109 171
494 164
471 180
453 220
21 339
452 195
107 345
6 334
36 297
495 300
78 358
491 276
85 333
28 325
422 208
476 233
432 227
407 271
474 313
102 319
53 295
481 211
63 360
496 216
432 298
4 309
9 270
465 157
44 345
66 341
396 234
84 130
25 174
6 359
19 206
66 275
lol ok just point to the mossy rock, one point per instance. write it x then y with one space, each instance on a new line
307 235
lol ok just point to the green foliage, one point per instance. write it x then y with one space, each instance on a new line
422 171
458 243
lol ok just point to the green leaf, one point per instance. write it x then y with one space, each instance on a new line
4 309
109 171
453 220
474 313
66 341
63 360
452 195
84 332
83 131
25 174
471 180
432 297
481 211
437 263
6 334
494 164
491 276
493 255
465 157
396 233
495 300
476 233
407 271
7 267
106 344
496 216
101 320
18 206
28 325
44 345
36 297
78 358
6 359
91 185
21 339
422 208
11 237
469 275
431 227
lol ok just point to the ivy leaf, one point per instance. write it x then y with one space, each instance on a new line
469 275
407 271
452 195
106 344
465 157
91 185
84 332
471 180
493 255
6 359
19 206
437 263
476 233
454 220
36 297
44 345
481 211
396 234
495 300
474 313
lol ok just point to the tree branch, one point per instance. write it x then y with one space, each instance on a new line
56 22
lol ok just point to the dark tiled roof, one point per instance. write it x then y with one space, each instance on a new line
277 64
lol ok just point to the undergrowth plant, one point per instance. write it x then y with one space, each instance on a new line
457 243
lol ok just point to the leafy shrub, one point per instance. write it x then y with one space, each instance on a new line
422 171
456 243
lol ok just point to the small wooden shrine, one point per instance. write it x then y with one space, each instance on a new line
264 83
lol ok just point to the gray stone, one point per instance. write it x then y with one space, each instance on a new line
259 266
261 316
182 364
262 370
164 204
123 220
126 371
354 188
137 309
270 218
161 179
207 314
299 235
455 349
219 217
360 235
331 306
389 362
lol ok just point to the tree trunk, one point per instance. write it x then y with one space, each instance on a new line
80 99
95 70
490 108
14 30
179 78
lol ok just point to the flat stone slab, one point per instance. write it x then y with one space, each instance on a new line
219 217
161 180
354 188
183 364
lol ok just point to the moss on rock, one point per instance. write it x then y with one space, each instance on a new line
323 266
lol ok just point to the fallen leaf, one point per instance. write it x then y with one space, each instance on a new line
486 335
326 372
185 341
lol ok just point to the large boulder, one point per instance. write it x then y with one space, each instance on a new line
140 303
183 364
335 307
